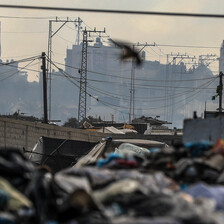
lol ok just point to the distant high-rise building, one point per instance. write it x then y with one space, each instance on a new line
171 91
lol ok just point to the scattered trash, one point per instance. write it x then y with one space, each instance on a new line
181 185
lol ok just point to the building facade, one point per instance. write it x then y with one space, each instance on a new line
172 91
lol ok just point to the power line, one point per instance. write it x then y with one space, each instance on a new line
10 64
18 56
88 26
159 49
155 13
106 103
194 94
127 98
1 80
109 93
154 51
112 105
66 25
21 60
154 100
201 89
137 79
145 85
186 46
140 99
118 96
175 45
54 52
24 17
27 69
156 108
25 32
155 54
90 95
67 41
51 34
192 98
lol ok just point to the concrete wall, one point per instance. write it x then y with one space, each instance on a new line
209 129
19 134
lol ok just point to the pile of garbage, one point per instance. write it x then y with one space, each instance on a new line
173 185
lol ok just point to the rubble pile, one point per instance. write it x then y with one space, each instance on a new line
173 185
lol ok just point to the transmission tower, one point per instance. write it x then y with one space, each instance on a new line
83 77
83 74
170 88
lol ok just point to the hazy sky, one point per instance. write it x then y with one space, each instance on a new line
21 38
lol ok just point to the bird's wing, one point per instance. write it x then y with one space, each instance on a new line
117 43
129 51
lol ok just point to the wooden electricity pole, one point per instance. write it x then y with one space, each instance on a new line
220 88
43 67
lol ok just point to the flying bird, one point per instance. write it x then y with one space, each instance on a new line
128 52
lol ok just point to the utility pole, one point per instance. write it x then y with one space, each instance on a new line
78 23
132 90
166 88
78 30
43 67
132 93
220 88
83 74
112 117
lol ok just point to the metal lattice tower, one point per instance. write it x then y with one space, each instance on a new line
83 79
83 74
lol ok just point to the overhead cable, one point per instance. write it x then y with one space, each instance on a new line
123 107
137 79
90 95
187 46
156 100
155 13
17 71
21 60
25 17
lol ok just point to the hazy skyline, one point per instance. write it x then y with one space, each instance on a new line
27 37
24 32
